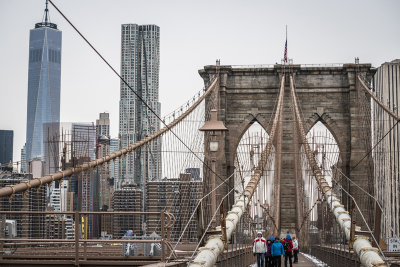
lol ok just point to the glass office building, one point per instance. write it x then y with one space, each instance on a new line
44 77
6 146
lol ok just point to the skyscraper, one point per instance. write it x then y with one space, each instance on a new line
103 125
102 150
44 76
114 165
6 146
23 159
140 62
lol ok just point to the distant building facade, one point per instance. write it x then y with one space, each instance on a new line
56 141
387 140
178 196
28 225
140 61
128 198
103 149
84 140
6 146
23 159
103 125
44 79
114 165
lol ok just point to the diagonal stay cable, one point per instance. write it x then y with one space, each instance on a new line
133 91
377 143
362 189
331 197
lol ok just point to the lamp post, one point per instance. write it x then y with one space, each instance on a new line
213 130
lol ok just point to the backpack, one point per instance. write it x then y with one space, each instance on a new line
286 245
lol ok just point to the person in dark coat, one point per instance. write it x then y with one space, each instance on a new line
277 251
288 246
269 260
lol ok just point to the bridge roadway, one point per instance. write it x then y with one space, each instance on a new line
111 255
303 262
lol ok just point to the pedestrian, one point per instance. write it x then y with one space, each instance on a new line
259 248
295 249
269 260
277 251
288 247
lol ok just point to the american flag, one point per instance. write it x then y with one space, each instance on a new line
285 55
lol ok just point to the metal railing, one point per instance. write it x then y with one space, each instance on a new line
82 245
254 66
271 66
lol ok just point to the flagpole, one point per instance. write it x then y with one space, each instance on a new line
286 41
285 53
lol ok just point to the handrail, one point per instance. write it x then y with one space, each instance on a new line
326 65
362 247
253 66
10 190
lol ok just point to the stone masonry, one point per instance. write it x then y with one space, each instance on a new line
327 94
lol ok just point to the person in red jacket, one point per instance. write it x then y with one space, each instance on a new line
288 247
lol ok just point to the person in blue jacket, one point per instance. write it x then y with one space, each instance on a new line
277 251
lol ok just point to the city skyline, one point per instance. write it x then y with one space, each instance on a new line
236 32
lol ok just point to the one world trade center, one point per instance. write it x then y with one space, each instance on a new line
44 77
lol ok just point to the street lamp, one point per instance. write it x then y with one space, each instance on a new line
213 129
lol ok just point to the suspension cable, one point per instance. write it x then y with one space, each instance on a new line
204 258
133 91
362 189
360 244
372 149
382 105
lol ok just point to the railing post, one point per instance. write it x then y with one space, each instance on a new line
162 236
76 238
2 234
353 225
377 226
85 223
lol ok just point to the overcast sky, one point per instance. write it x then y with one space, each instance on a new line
193 34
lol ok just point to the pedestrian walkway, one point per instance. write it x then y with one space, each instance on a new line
303 262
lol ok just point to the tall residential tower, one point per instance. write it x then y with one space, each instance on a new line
140 62
44 76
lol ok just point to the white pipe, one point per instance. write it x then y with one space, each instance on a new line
208 254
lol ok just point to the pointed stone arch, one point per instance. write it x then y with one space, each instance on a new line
324 93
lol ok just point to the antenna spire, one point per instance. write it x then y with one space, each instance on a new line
46 19
46 12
